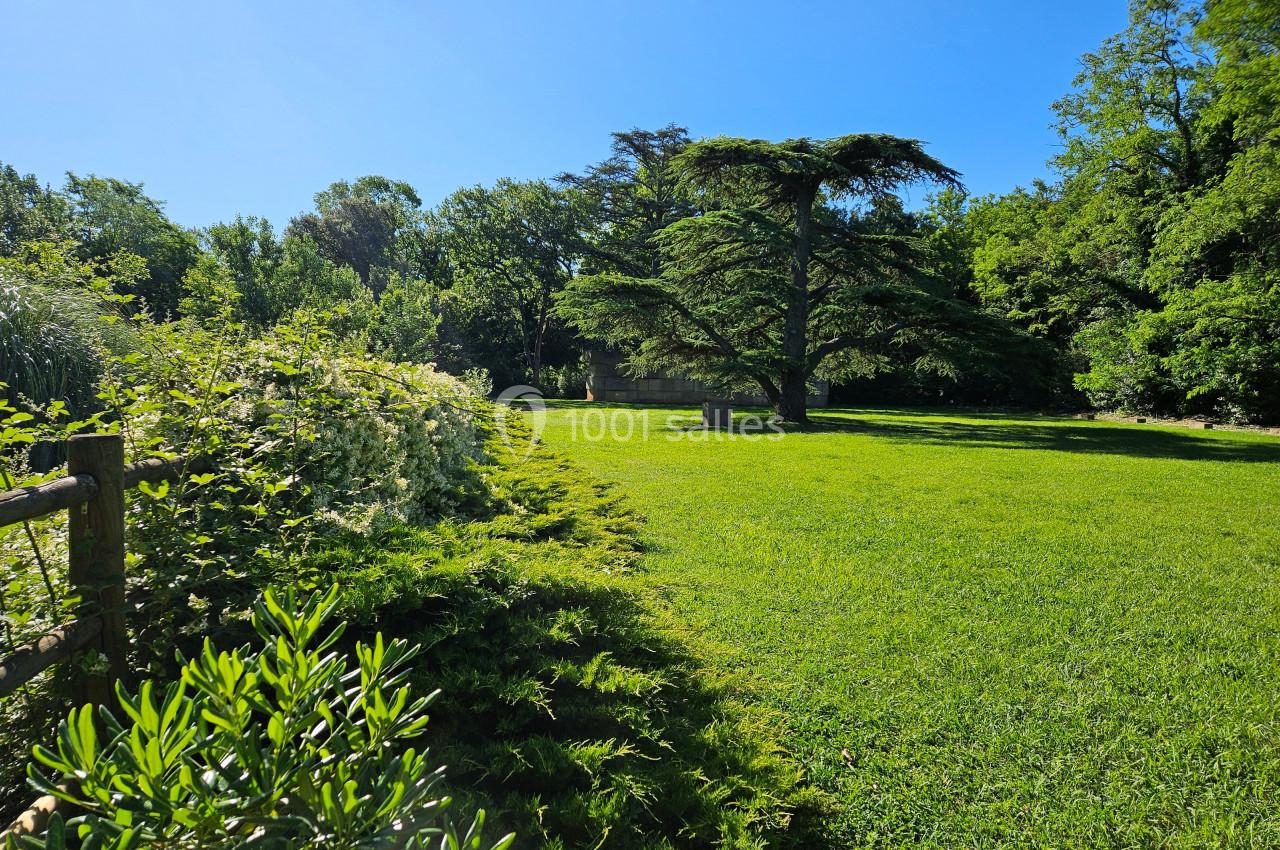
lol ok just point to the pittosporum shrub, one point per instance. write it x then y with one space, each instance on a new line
291 745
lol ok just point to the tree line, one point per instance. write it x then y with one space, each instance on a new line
1142 276
1151 263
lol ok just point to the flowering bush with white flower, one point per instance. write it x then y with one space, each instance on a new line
308 440
369 442
345 440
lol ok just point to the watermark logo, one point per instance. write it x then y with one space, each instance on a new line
520 414
595 425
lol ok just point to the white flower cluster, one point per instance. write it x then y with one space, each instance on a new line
371 443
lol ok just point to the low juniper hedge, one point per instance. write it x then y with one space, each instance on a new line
573 708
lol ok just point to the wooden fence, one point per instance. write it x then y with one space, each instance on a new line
92 493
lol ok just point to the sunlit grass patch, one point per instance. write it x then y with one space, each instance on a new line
986 629
574 709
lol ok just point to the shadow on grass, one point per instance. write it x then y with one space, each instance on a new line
1087 439
567 712
571 709
1010 430
764 411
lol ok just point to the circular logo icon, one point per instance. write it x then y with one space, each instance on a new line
520 413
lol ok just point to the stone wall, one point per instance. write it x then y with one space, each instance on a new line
604 383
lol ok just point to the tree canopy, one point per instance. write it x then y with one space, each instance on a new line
1151 262
511 250
1139 275
773 282
629 197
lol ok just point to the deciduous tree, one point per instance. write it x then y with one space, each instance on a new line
373 226
511 249
111 216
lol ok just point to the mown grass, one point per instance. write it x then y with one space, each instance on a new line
984 630
572 709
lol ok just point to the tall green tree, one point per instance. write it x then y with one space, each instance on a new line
372 226
1133 112
110 216
950 240
311 281
631 196
1151 261
29 212
1244 36
252 254
511 249
775 283
1216 259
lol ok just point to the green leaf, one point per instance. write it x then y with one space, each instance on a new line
157 492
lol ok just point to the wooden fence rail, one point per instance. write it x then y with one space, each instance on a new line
93 495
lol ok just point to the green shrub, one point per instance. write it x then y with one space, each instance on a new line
53 336
307 440
567 381
288 746
359 441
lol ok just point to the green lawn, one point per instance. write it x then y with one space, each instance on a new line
982 630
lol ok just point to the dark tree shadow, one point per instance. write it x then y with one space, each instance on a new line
948 412
1006 433
572 709
577 723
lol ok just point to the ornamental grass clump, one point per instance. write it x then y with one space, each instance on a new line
56 330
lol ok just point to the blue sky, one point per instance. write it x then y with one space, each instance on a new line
251 107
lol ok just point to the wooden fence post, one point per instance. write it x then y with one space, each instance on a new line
96 557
